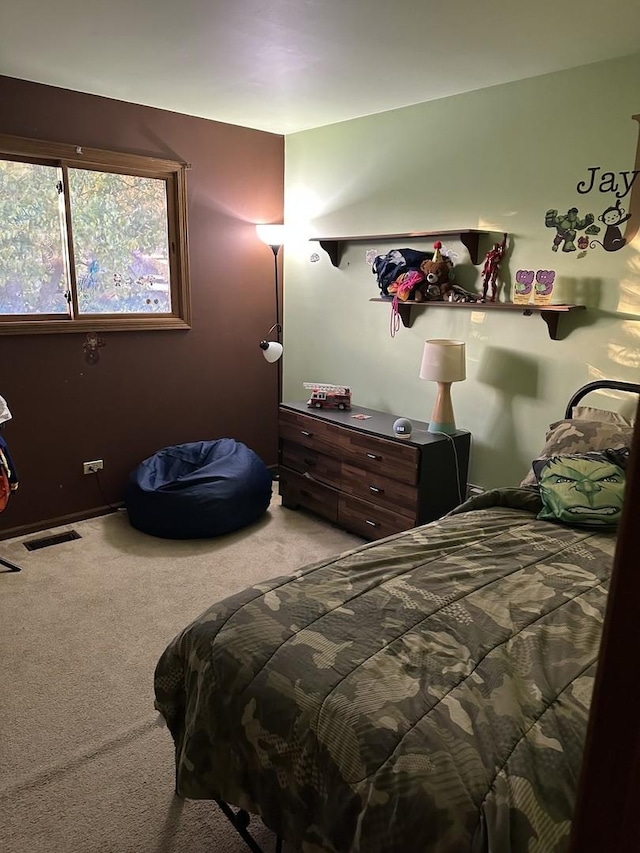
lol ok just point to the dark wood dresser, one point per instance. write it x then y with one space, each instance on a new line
359 475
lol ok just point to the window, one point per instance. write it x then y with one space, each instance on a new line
90 240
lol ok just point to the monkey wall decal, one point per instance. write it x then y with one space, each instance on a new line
613 217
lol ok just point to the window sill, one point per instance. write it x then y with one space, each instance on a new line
95 324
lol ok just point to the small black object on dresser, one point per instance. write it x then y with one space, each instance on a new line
350 468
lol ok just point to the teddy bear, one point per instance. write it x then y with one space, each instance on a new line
438 284
438 277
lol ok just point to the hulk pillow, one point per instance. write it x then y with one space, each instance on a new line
583 488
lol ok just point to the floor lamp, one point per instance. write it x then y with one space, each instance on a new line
273 236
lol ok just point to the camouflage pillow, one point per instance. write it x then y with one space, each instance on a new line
584 489
588 413
577 436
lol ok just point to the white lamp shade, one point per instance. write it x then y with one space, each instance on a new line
443 361
272 235
271 350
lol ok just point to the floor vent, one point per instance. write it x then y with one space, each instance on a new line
45 541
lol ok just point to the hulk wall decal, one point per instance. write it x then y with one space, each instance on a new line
567 225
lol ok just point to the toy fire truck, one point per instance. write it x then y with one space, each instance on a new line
325 396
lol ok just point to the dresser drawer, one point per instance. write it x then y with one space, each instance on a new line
305 460
378 489
372 522
308 432
296 490
380 456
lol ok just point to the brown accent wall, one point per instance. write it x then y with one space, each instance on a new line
156 388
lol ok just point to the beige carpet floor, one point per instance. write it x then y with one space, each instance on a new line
84 767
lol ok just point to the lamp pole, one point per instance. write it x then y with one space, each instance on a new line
274 237
275 248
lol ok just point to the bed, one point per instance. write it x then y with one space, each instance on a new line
427 692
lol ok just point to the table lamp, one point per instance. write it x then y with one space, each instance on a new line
443 361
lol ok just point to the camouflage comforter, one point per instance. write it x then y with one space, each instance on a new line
426 693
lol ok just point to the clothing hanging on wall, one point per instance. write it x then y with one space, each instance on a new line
8 473
5 414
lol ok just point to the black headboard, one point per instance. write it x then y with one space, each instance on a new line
632 387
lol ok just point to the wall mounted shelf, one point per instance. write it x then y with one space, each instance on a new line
469 237
550 313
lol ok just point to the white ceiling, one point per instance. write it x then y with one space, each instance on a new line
289 65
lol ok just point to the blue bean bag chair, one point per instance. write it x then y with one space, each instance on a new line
198 490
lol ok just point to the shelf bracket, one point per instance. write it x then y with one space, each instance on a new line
551 319
406 314
333 248
471 241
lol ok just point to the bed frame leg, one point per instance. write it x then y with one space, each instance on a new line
240 821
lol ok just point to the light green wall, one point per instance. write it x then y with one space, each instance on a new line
496 158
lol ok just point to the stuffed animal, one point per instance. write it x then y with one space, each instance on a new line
438 284
438 277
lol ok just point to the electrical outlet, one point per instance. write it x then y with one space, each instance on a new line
93 467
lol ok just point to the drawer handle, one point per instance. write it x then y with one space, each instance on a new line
371 523
307 434
310 461
376 490
373 456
